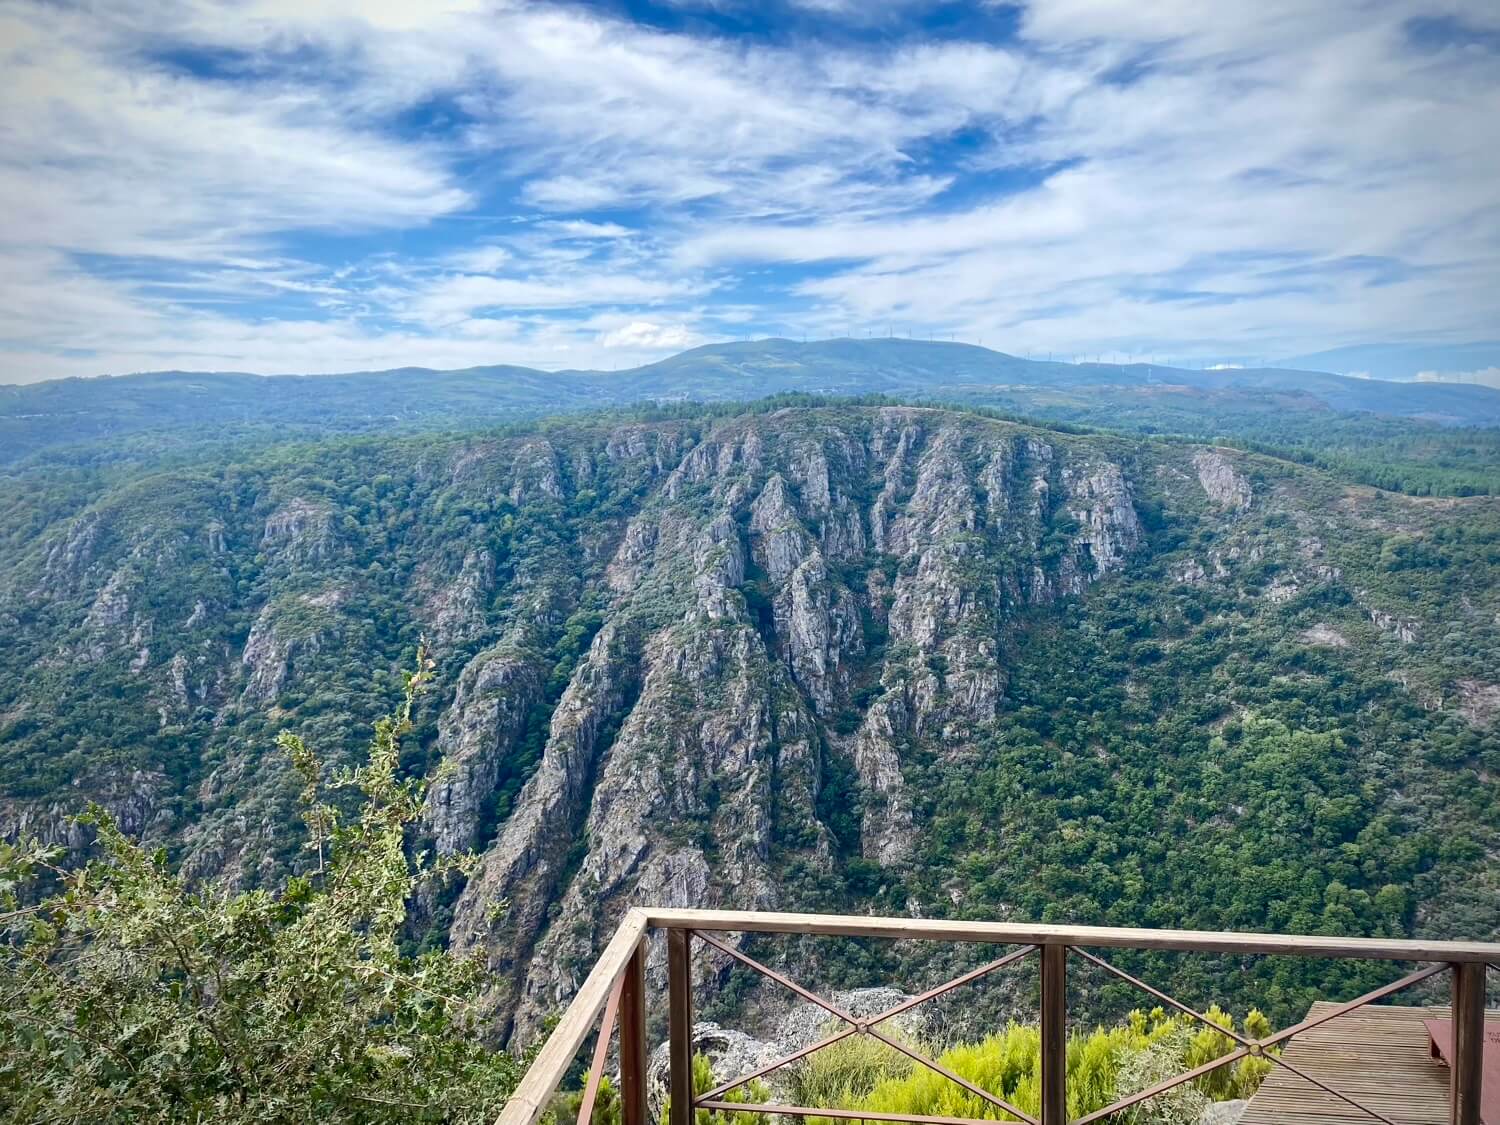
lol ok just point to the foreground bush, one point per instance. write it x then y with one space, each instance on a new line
844 1073
127 995
1104 1065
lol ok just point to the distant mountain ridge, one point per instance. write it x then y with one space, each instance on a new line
904 366
1404 362
36 416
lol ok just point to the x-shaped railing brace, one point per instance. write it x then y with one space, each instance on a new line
1248 1048
857 1026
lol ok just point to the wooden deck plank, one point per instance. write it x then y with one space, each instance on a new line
1377 1055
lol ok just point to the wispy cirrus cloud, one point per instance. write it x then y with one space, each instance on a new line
323 184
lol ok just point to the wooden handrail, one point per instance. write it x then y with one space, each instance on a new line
625 950
546 1072
1024 933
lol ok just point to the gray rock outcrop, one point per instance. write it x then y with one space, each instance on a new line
688 741
1225 485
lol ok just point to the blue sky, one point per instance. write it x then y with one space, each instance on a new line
322 185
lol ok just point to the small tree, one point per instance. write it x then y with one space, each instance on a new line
128 995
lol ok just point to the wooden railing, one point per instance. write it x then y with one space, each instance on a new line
617 986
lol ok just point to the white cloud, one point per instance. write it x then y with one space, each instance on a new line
583 229
1266 164
452 299
644 335
103 157
1244 177
480 259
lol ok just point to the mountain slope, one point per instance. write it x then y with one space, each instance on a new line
903 367
69 411
841 657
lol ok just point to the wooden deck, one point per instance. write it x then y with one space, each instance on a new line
1378 1055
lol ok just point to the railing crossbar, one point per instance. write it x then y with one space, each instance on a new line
1165 1085
1327 1089
1260 1047
784 981
879 1018
937 1068
785 1060
1163 997
607 988
1358 1002
971 975
857 1025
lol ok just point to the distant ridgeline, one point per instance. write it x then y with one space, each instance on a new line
1424 438
805 657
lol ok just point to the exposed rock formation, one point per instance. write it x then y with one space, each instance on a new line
711 663
286 629
1224 1113
495 692
133 798
1324 634
1479 702
687 743
299 531
455 605
1403 631
1225 485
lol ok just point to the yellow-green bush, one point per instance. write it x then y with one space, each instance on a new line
845 1072
1104 1064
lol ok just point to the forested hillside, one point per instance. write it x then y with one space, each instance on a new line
1423 438
807 657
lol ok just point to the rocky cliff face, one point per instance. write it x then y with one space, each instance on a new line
696 663
495 693
796 595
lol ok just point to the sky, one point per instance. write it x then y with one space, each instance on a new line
329 185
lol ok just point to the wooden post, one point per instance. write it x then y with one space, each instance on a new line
633 1039
680 1025
1467 1064
1054 1061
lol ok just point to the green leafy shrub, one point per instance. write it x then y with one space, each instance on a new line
127 995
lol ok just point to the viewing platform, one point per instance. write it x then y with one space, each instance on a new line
1344 1063
1383 1056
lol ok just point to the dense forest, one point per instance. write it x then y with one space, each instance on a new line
805 654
